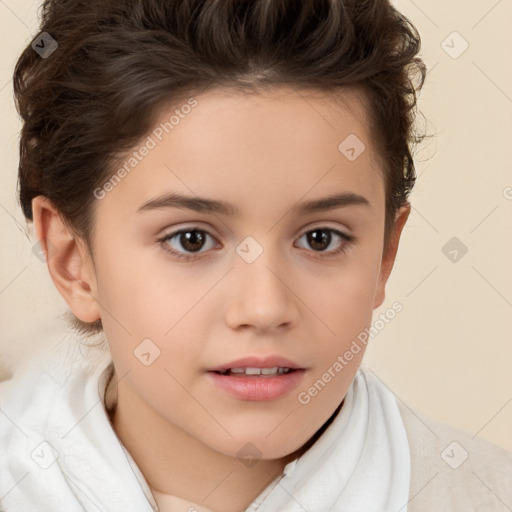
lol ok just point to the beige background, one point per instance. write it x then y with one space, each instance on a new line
448 353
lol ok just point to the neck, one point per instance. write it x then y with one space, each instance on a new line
174 462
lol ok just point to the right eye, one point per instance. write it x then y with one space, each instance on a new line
192 240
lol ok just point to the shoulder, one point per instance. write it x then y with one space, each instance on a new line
452 470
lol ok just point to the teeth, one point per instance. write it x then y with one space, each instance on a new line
257 371
254 371
236 370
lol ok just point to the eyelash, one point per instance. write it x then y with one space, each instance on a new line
348 239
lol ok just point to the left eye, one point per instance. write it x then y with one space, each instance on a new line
321 238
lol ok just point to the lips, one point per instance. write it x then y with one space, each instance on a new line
261 388
271 361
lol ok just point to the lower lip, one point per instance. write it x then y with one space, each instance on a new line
258 388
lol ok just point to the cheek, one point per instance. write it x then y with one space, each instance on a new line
346 309
344 297
143 292
156 311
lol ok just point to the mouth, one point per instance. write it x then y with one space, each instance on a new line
258 384
257 377
257 365
275 371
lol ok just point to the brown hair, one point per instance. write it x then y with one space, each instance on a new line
118 62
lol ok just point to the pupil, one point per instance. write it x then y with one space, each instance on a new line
190 239
318 238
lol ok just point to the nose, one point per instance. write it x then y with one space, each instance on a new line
260 295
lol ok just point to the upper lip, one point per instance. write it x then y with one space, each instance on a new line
257 362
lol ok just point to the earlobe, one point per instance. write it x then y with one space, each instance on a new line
388 259
68 260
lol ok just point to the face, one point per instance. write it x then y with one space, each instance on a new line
184 287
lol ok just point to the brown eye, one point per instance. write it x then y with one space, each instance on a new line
192 240
185 242
320 239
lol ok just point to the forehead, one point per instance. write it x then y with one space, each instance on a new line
294 120
244 146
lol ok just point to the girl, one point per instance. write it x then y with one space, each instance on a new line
219 189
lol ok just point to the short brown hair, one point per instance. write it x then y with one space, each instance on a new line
119 61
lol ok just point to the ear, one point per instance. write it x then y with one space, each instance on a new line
68 260
388 258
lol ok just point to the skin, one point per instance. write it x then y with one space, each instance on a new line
263 153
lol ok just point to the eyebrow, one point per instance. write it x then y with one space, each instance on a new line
205 205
